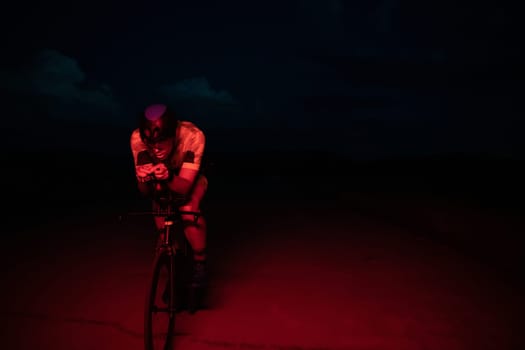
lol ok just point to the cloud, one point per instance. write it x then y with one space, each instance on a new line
195 99
197 88
60 81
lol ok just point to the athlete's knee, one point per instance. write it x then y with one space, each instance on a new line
199 251
191 221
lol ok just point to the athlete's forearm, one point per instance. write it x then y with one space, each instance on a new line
144 188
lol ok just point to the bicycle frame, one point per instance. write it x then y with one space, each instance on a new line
171 242
172 217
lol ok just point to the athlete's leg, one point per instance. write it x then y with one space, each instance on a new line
196 230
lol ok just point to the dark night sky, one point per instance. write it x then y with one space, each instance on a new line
372 77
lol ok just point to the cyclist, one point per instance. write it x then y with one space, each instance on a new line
167 154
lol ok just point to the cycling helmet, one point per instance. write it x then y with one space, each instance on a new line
157 123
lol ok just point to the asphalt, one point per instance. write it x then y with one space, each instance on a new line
286 273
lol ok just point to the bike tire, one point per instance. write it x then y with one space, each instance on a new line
159 319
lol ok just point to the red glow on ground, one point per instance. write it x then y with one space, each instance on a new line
298 281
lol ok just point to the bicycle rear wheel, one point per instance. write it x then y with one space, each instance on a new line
159 318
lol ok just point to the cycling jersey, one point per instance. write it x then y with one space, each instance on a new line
187 152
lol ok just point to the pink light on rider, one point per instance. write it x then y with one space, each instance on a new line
154 112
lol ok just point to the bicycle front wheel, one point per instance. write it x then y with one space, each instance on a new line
159 316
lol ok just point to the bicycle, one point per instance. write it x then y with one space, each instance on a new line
170 267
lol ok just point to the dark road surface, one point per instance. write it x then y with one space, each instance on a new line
288 275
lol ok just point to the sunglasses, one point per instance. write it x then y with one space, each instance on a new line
159 144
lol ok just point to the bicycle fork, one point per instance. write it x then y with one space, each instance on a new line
168 224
